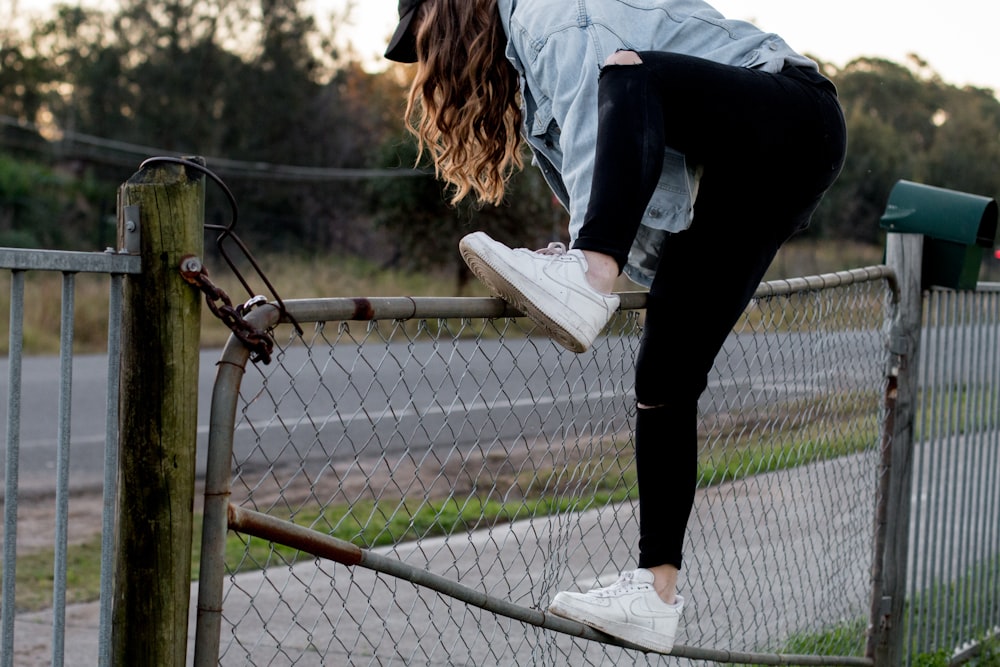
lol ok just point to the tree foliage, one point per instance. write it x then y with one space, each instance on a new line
424 229
904 122
86 94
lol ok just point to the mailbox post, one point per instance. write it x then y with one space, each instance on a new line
936 238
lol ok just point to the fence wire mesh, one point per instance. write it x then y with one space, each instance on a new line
954 571
480 451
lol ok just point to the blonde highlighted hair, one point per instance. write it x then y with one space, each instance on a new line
463 104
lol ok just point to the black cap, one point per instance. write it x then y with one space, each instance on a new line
403 45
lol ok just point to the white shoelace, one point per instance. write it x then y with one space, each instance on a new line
554 248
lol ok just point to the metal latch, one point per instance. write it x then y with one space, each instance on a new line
131 229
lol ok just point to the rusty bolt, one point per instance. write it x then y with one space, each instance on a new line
191 265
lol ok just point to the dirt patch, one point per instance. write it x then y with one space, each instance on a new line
513 471
36 521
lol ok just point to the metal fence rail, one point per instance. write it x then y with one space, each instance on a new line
478 452
18 262
954 583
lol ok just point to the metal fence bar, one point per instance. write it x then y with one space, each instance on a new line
989 352
971 359
408 308
62 470
959 353
222 424
939 418
980 619
952 592
19 262
110 491
790 286
987 407
18 259
992 516
12 463
957 493
921 521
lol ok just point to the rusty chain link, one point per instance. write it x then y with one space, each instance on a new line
193 271
260 343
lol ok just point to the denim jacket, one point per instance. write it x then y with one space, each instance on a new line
558 48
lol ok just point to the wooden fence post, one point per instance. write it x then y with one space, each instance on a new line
165 204
904 254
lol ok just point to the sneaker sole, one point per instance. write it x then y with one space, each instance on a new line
634 634
503 288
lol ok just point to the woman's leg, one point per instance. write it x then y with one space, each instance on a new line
770 145
777 136
706 277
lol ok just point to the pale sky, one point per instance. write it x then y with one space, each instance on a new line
957 38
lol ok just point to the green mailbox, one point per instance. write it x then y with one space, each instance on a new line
956 227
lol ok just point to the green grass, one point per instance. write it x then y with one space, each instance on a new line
849 639
846 639
788 437
35 574
933 610
955 409
935 616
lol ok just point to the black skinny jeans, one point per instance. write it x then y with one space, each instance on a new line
770 146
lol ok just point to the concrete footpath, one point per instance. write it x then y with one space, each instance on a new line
765 561
33 636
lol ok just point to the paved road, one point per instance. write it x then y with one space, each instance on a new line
40 378
417 385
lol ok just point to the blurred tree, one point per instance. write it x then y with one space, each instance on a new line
966 151
425 229
43 208
259 81
906 123
23 77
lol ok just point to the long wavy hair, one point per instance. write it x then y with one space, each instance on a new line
463 105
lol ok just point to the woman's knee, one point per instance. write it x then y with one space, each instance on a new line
623 58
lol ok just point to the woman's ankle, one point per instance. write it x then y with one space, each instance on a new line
665 582
602 271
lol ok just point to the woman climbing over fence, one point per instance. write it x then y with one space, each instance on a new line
687 147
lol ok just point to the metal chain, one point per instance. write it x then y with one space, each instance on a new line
260 342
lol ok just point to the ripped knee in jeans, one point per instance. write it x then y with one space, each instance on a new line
623 58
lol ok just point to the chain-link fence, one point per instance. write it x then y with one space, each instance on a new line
453 439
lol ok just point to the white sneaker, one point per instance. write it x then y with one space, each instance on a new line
628 609
549 287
